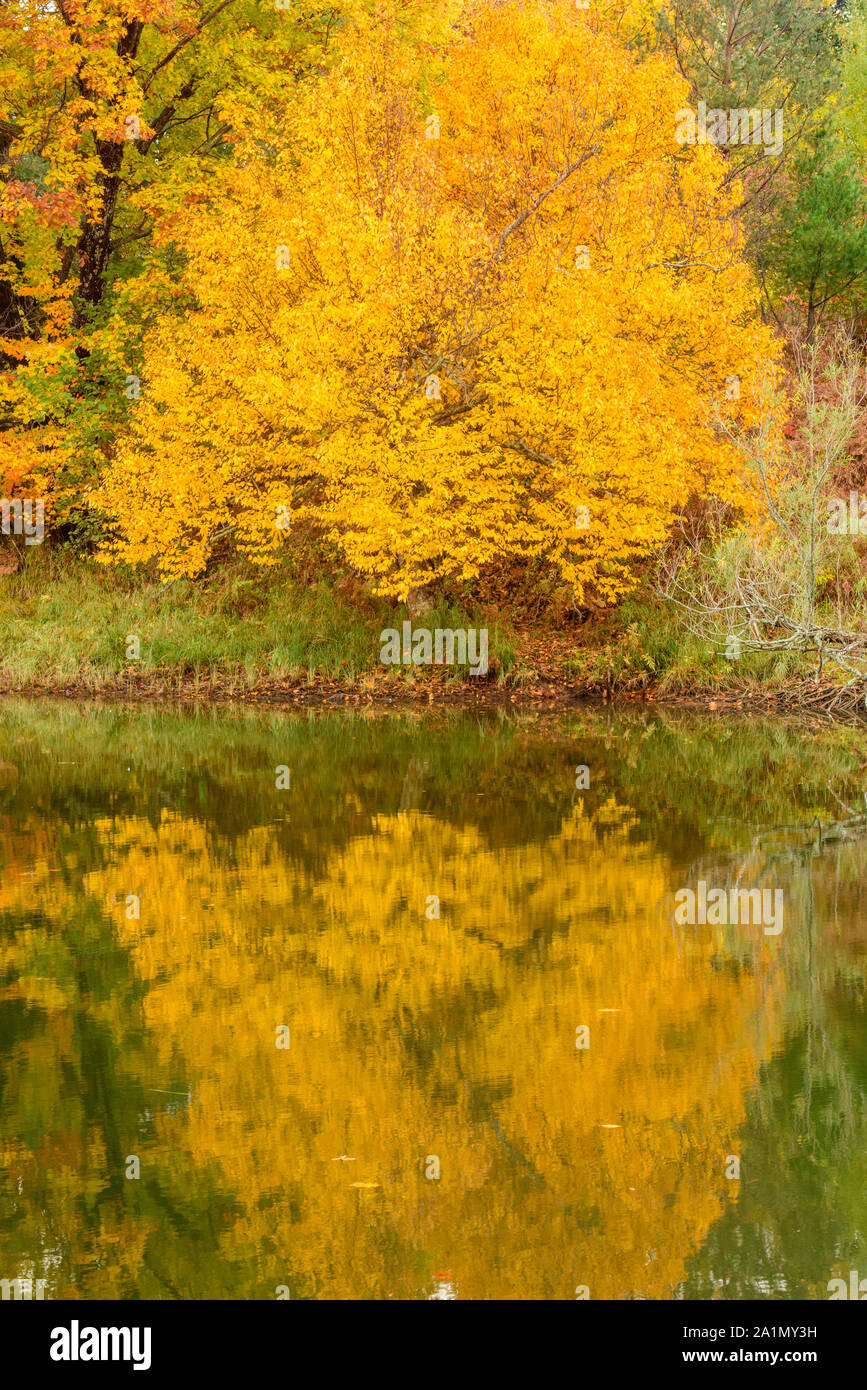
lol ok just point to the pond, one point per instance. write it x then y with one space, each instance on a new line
406 1006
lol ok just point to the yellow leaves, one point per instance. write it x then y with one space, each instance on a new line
399 336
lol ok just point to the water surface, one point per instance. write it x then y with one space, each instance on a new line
430 914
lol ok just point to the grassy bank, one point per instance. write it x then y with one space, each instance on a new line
67 621
65 624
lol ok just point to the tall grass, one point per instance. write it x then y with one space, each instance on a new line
66 621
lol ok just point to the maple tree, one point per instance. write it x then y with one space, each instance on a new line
110 111
477 303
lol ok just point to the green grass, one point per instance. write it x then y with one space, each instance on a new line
65 621
645 641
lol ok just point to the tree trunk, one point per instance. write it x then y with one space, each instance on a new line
419 603
94 243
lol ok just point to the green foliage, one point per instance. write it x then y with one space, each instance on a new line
762 53
816 243
853 96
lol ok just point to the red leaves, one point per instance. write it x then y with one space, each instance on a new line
55 209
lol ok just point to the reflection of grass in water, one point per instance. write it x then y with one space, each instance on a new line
683 774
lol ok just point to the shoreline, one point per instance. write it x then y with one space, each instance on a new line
802 698
67 629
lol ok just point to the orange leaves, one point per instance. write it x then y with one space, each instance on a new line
54 210
113 116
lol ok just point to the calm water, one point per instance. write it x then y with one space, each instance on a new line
428 1127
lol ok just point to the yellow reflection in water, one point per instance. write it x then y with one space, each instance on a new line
414 1038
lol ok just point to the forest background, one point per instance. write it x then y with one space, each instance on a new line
543 317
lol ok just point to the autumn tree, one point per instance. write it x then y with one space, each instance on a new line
479 304
110 110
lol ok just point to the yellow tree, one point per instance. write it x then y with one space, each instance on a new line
480 304
109 111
